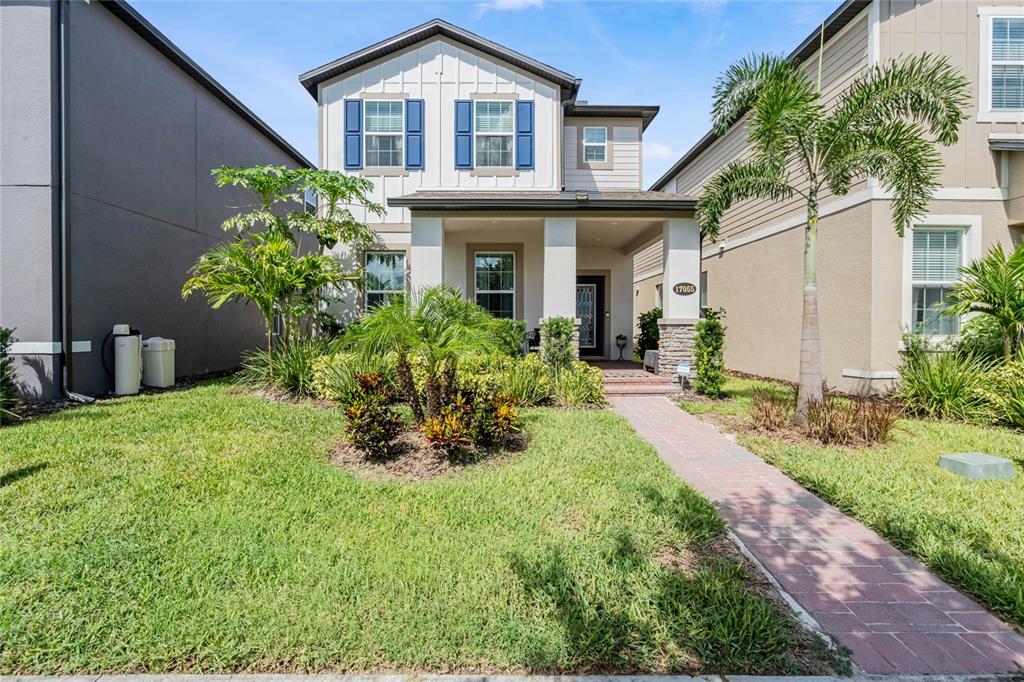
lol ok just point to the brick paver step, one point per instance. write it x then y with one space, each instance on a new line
892 613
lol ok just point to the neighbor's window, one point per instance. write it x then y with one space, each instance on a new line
495 282
494 125
595 145
1007 63
937 256
385 275
384 133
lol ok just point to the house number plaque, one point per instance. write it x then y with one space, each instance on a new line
684 288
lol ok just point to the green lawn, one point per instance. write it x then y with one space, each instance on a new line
969 532
207 530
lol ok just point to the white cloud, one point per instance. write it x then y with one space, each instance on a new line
508 5
658 151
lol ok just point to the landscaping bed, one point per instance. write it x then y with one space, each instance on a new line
209 530
969 532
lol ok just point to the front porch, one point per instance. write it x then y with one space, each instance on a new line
534 262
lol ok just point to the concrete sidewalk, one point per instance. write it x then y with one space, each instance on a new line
889 609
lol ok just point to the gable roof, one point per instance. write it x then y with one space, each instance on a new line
569 84
835 23
136 22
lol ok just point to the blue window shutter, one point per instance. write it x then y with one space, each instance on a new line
414 134
463 133
524 134
353 134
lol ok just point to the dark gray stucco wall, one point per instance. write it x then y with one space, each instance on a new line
143 137
29 295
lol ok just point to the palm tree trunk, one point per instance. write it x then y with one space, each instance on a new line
1007 346
408 385
810 335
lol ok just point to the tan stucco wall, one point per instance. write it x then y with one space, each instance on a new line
645 297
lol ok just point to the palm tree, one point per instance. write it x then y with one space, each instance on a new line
993 285
432 329
886 125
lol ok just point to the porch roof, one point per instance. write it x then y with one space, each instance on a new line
576 201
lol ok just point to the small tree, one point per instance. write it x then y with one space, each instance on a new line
556 343
709 353
993 286
886 125
649 334
8 389
267 264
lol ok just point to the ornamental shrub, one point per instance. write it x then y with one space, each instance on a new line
450 431
8 389
709 353
1003 390
334 375
981 336
580 385
372 423
284 367
939 384
556 343
648 337
510 336
495 418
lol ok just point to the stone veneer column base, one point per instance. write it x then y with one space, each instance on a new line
675 345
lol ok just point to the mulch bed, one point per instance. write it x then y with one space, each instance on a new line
413 460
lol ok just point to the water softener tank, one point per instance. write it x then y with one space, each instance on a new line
127 359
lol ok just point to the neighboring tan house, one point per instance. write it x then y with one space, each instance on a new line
108 134
872 284
498 181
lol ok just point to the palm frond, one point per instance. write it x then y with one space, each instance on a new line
736 89
735 182
926 89
900 156
784 117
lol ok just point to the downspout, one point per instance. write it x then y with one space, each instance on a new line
66 345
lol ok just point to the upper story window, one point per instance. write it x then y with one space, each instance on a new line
494 127
1001 64
595 144
384 131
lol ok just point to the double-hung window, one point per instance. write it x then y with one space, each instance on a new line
495 282
495 124
935 262
384 131
1001 64
595 145
385 276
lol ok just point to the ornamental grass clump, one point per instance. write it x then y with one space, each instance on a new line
288 368
939 384
769 409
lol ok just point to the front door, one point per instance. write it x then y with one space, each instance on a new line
590 312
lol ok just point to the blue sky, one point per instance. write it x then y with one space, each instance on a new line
666 53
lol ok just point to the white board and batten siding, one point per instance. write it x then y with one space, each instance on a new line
625 173
440 72
846 57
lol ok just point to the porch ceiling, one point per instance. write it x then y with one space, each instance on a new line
619 233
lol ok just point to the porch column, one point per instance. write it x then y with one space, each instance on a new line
426 253
680 294
560 270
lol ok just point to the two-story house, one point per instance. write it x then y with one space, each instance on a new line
499 182
872 283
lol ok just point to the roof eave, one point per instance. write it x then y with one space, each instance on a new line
135 21
642 111
514 204
836 21
568 84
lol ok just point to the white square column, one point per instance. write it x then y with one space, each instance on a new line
680 294
426 253
560 267
681 244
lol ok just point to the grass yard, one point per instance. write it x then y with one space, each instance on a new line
206 530
969 532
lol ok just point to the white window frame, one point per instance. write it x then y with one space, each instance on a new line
970 250
985 112
602 145
515 283
477 134
367 133
388 292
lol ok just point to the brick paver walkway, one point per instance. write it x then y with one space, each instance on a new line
893 614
